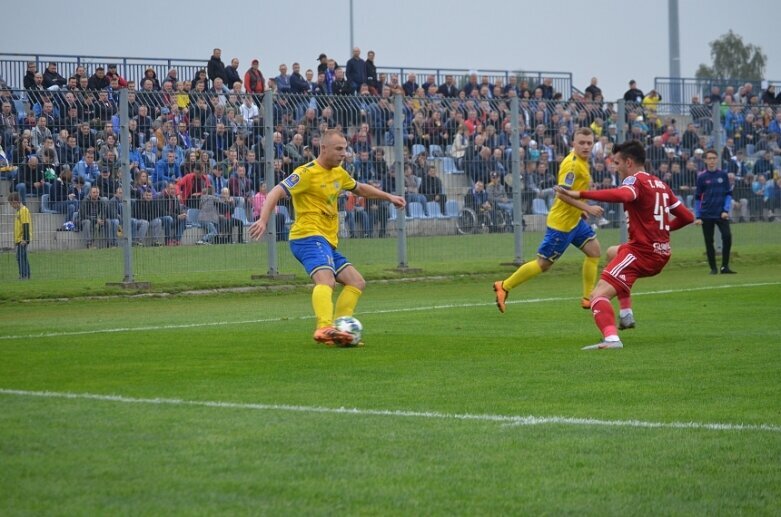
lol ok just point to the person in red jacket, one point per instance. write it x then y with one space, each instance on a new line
253 79
648 202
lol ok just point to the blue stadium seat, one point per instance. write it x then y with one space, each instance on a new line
392 213
417 149
416 210
435 151
282 209
449 166
538 207
451 208
434 210
45 205
192 218
241 215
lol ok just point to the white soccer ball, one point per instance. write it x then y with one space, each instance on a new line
350 325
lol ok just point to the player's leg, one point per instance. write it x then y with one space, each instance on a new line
316 255
626 317
707 233
354 285
586 240
726 244
604 317
552 246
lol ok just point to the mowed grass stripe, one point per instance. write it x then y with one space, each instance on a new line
200 324
516 420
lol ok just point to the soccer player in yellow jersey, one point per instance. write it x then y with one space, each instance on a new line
314 188
23 229
565 225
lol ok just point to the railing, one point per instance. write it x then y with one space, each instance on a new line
676 90
13 67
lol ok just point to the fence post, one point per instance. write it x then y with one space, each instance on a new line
515 168
268 151
124 149
398 166
621 127
718 135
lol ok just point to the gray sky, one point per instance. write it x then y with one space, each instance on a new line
608 40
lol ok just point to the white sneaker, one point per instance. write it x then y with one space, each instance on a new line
604 345
626 322
603 222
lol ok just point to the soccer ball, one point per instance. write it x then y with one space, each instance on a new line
350 325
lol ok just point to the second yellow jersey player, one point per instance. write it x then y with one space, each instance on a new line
565 226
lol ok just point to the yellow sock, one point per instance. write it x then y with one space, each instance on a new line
590 266
346 301
323 305
524 273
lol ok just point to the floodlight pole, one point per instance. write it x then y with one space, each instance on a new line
268 151
124 149
398 166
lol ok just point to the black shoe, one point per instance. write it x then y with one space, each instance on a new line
714 271
727 271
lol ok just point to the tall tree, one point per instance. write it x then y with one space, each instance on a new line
733 59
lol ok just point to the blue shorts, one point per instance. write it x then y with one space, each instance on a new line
316 253
555 242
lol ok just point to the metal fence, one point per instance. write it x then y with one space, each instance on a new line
679 91
473 170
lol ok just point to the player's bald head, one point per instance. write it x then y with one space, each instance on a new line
331 137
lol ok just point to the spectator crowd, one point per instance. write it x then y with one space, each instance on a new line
198 146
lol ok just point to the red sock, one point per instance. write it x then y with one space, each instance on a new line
604 316
625 302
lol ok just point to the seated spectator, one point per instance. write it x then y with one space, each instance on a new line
240 187
172 215
106 183
497 195
764 165
192 187
31 179
148 209
62 195
92 216
741 193
208 216
431 187
166 170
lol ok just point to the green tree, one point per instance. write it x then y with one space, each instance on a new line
733 59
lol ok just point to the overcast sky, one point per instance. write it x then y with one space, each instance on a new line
608 39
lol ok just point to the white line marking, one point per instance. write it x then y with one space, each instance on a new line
380 311
504 419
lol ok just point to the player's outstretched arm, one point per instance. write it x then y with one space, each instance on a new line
568 196
370 191
683 217
258 228
611 195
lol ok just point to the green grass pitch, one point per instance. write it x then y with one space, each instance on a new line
222 404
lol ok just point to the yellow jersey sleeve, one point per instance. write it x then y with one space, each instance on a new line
297 182
574 174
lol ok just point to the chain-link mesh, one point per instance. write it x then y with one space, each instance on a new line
198 160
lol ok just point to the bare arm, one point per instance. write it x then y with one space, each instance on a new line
258 228
369 191
571 198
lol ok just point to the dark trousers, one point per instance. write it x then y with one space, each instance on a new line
726 240
21 259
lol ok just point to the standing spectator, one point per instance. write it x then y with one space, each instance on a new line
254 83
232 73
712 208
172 215
23 231
106 184
151 75
29 76
297 82
225 207
283 80
448 88
323 63
216 68
371 74
148 209
593 89
356 70
634 94
340 85
192 186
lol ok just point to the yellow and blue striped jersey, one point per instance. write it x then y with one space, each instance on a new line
314 190
574 174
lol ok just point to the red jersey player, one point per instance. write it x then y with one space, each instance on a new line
648 203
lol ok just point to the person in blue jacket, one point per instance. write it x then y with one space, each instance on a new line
713 200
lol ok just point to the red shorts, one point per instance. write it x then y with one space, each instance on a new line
631 264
